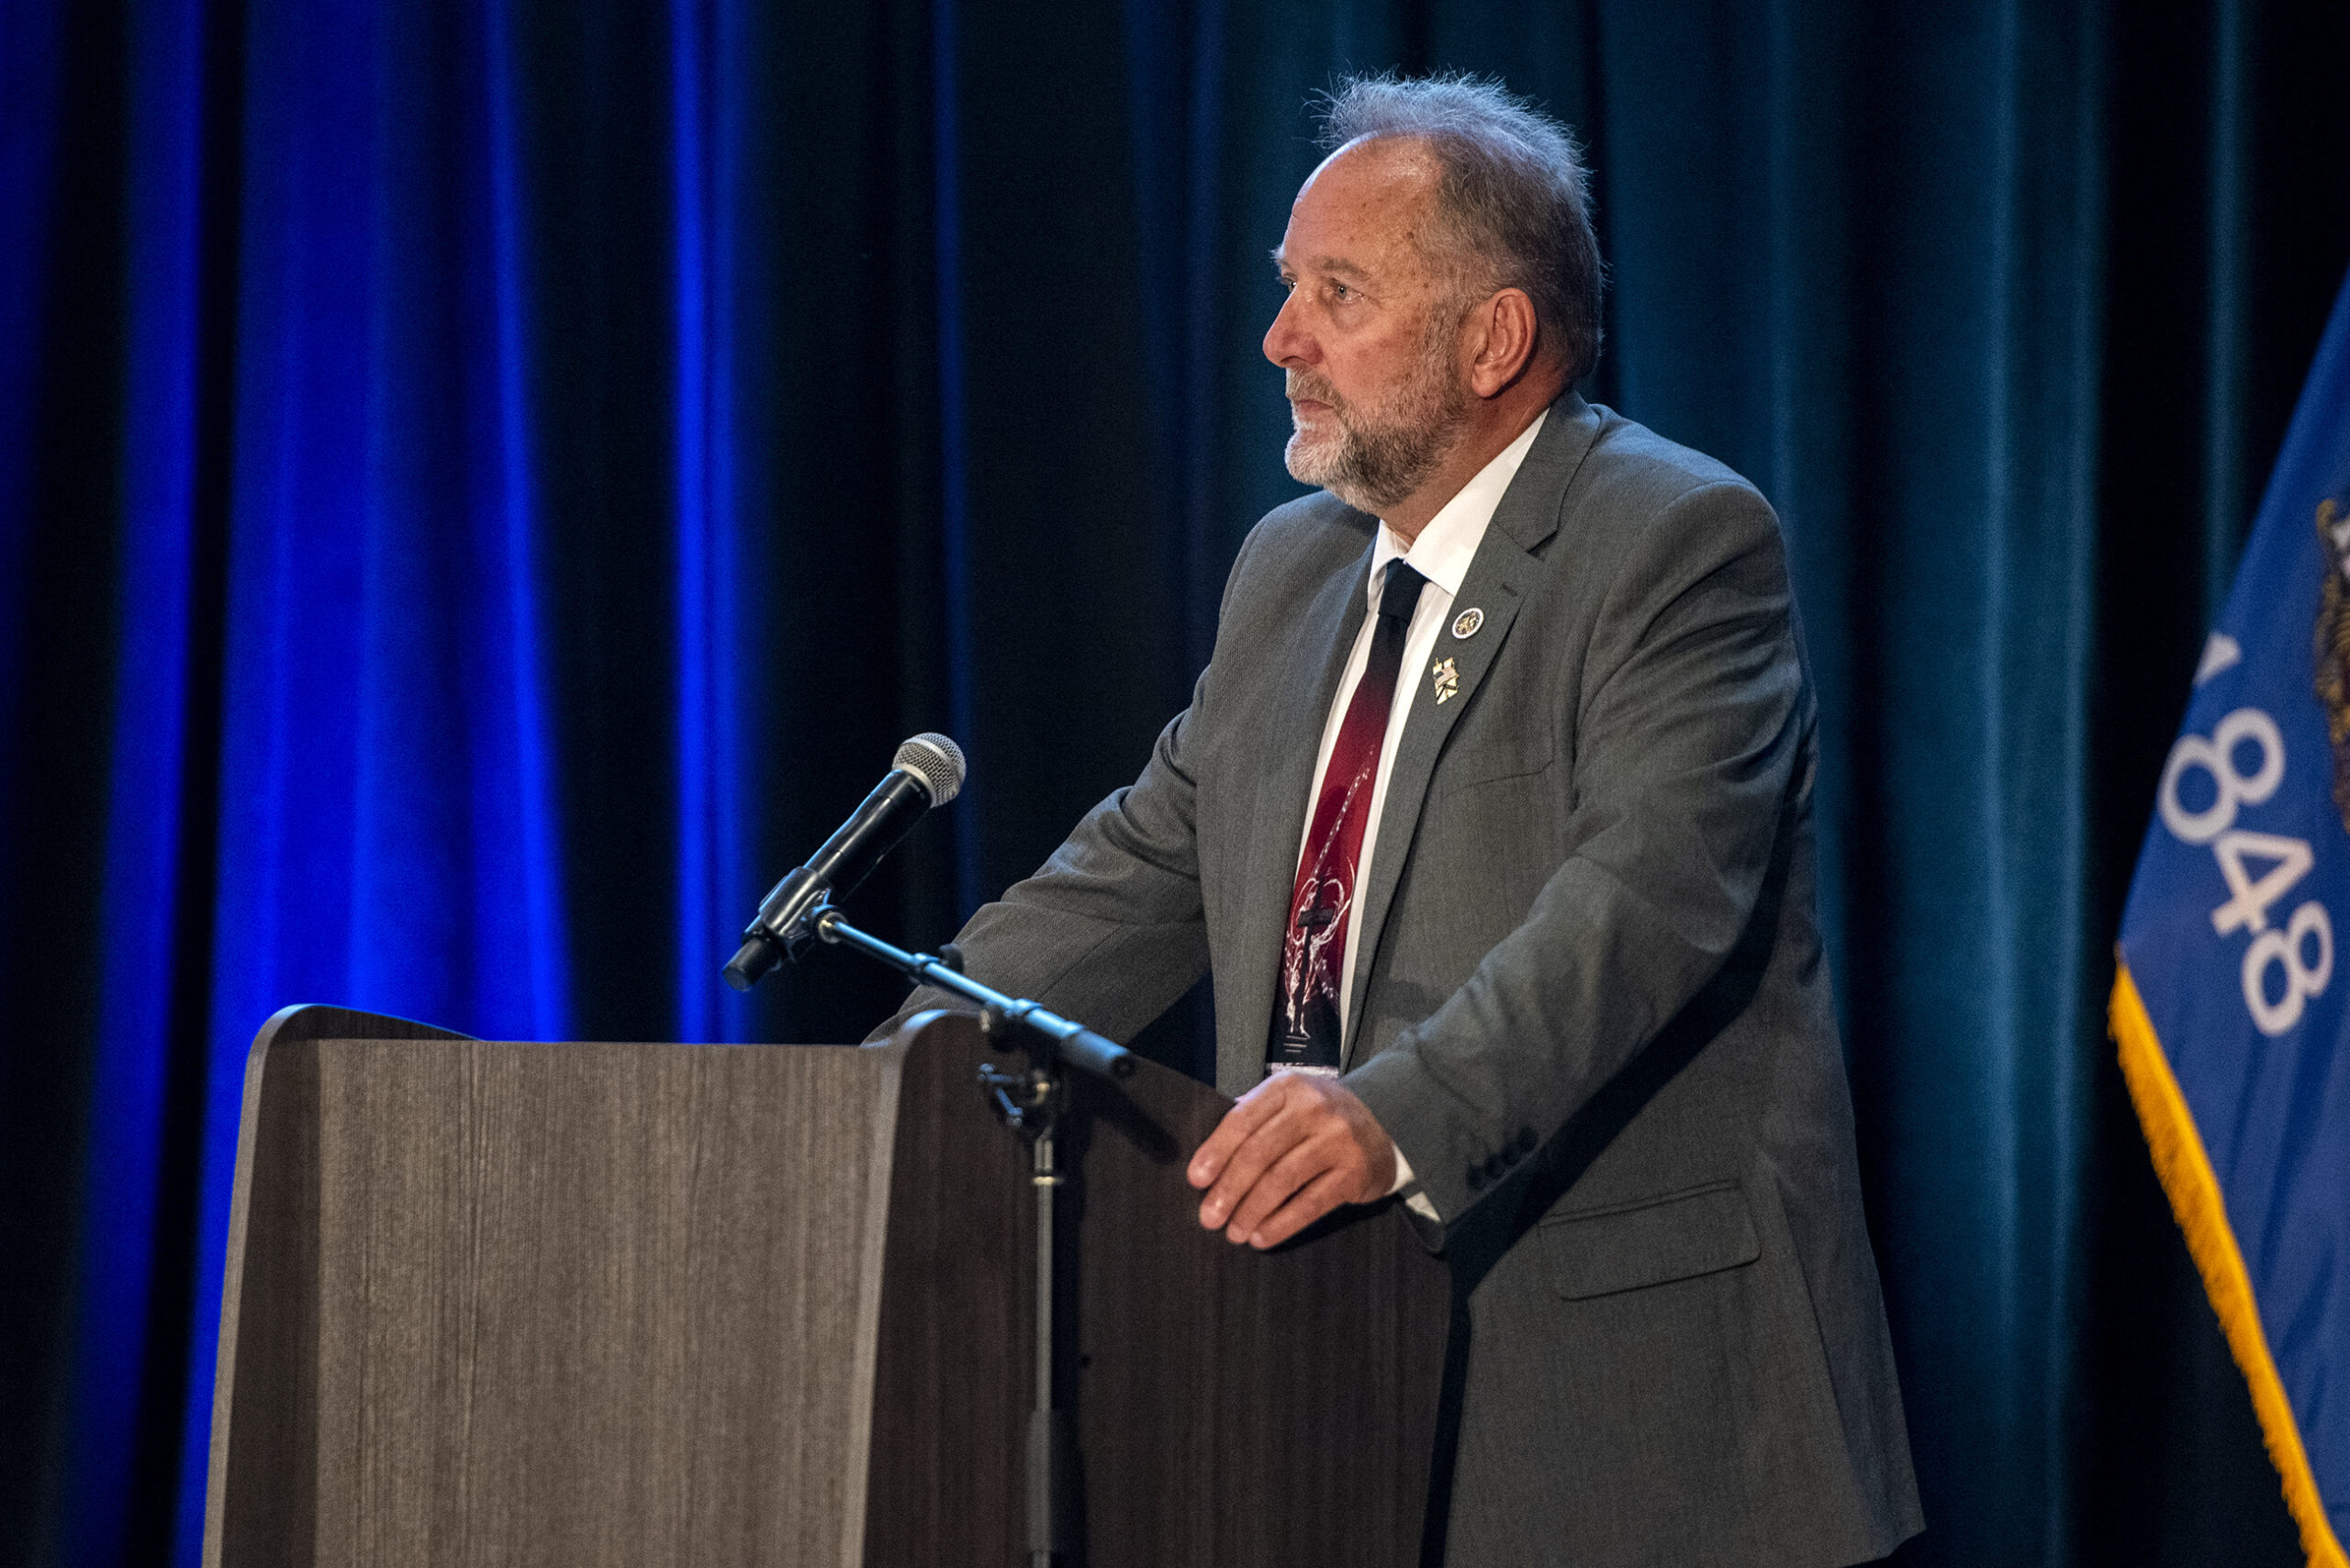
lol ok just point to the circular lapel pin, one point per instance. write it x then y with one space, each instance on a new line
1465 624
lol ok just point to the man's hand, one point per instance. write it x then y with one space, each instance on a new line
1293 1148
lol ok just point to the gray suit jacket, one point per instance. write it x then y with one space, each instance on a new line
1590 1003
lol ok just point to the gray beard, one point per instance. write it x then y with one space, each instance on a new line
1377 460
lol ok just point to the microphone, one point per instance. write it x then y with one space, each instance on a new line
926 772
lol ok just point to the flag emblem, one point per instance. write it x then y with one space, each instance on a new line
2334 645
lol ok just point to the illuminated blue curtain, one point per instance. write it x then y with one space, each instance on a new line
385 826
329 766
483 487
148 795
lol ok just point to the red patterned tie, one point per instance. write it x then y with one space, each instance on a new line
1314 948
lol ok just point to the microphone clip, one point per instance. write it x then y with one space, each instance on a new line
782 929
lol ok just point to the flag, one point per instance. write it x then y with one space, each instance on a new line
2229 1007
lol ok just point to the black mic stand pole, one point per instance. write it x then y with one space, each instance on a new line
1032 1102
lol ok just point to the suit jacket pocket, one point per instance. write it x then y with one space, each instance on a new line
1677 1236
1489 762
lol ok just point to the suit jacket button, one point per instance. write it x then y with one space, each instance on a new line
1510 1156
1495 1166
1476 1178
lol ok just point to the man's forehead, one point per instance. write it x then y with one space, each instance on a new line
1387 169
1341 267
1358 213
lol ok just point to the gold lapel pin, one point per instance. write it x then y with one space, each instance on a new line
1465 624
1448 681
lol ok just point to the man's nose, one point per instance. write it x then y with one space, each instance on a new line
1286 344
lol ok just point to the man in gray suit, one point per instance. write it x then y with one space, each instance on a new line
1490 819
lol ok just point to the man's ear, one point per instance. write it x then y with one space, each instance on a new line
1503 329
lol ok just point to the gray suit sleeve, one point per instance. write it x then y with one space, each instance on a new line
1109 930
1691 712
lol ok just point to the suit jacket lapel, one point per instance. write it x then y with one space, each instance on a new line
1425 728
1313 657
1528 515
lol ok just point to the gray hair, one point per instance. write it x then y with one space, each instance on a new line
1514 193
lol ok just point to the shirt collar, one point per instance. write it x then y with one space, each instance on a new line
1445 547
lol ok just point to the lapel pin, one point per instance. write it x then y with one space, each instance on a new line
1465 624
1448 682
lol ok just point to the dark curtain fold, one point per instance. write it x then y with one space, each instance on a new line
484 488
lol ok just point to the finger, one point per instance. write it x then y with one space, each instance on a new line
1248 1163
1319 1197
1305 1160
1252 1112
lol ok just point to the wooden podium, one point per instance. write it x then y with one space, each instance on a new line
571 1305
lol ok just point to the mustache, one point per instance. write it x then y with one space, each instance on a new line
1297 383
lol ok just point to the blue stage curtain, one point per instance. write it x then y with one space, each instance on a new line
484 486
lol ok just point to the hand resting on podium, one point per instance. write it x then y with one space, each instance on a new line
1291 1151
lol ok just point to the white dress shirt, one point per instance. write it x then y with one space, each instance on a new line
1441 553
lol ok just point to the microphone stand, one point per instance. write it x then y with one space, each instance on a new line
1032 1103
1065 1040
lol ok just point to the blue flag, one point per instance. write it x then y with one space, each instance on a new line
2230 1008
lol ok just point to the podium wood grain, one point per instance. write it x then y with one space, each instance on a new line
627 1303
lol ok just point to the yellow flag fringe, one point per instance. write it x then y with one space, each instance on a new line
2185 1169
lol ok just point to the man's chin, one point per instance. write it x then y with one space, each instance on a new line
1311 462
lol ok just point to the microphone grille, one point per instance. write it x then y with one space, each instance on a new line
936 761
